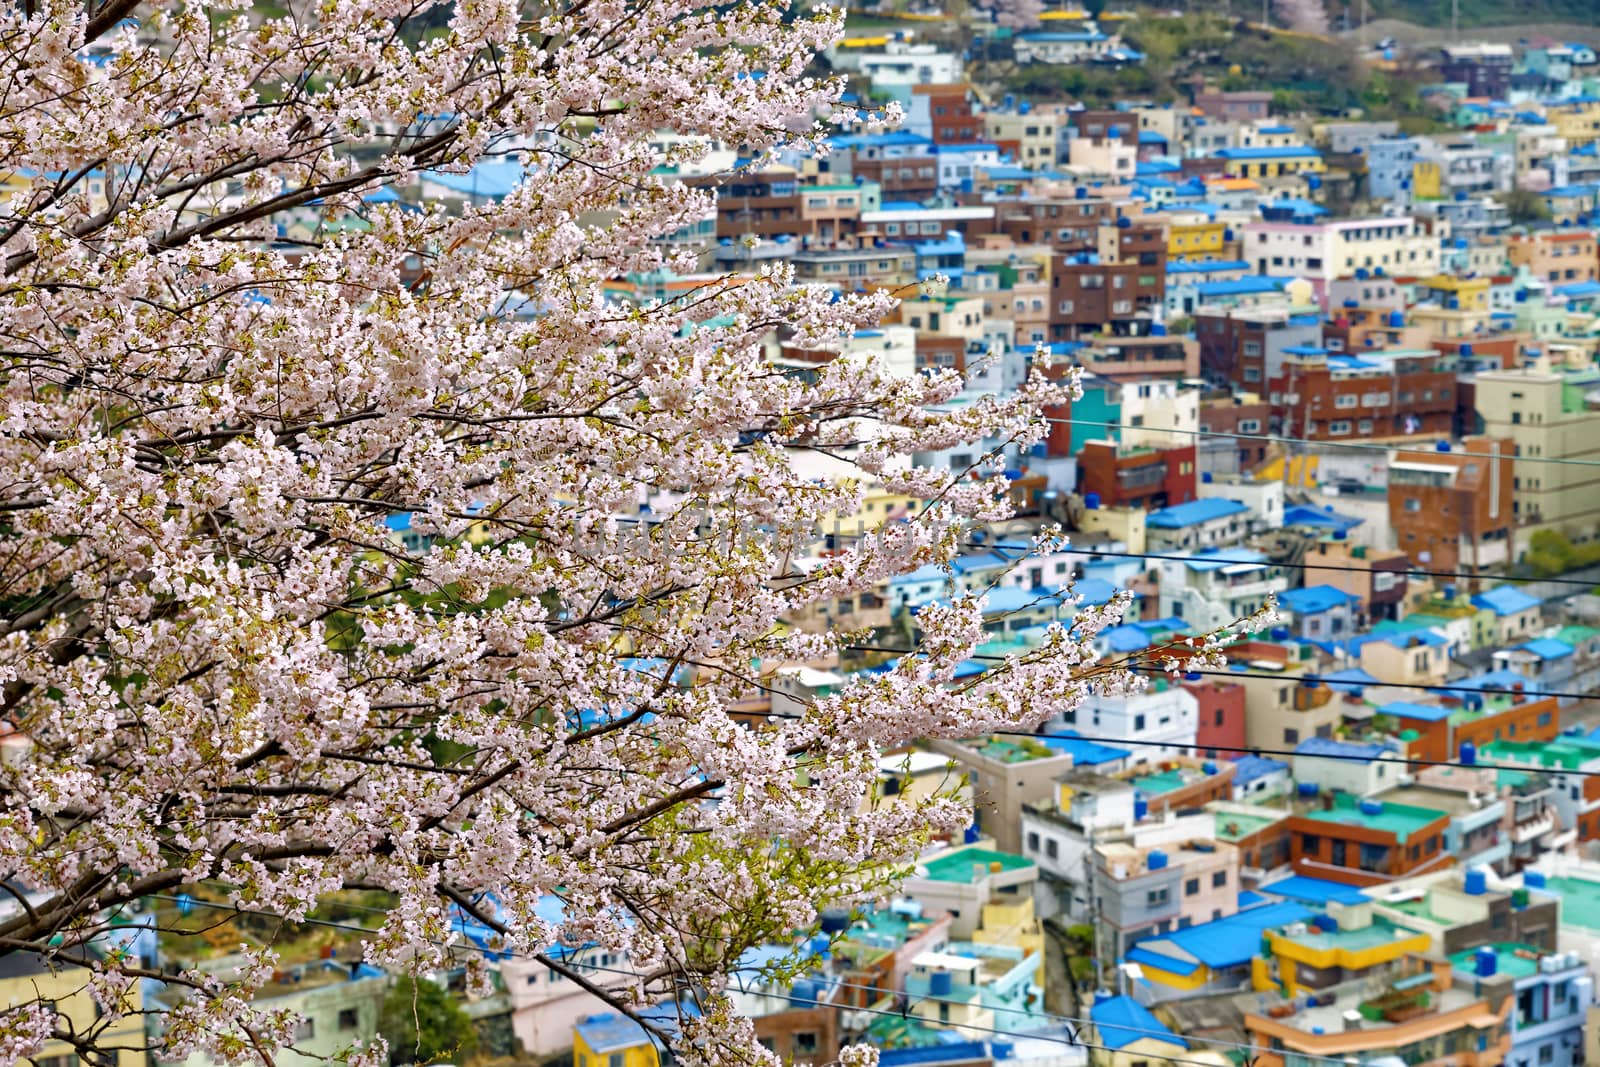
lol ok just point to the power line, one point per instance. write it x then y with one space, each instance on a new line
738 977
1360 446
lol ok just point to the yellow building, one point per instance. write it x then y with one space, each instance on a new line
1275 161
1426 183
1347 939
1193 235
616 1041
26 979
1578 123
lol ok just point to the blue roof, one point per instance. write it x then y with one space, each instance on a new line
1048 36
1316 890
1126 638
1220 943
1411 638
879 140
963 149
1505 600
1193 513
1323 518
1500 679
1255 283
1249 768
611 1033
1151 167
493 178
1122 1020
1214 559
1249 898
1578 289
1204 266
1327 746
1348 680
1547 648
1315 599
1084 751
1152 137
1286 152
1401 709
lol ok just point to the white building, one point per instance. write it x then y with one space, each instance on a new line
1218 587
1157 723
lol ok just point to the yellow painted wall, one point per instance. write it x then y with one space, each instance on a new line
640 1055
65 988
1425 181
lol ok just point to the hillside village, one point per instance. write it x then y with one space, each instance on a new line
1327 362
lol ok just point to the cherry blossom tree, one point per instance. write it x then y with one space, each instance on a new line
243 336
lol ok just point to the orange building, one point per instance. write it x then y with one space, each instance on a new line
1443 725
1367 842
1559 257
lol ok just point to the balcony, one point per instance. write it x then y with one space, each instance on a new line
1531 829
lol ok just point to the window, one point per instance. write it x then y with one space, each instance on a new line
1339 426
614 1060
348 1019
1311 844
66 1059
1250 425
1345 400
1138 722
1051 849
305 1030
1157 898
1191 887
1219 879
1291 735
1544 718
805 1042
1033 841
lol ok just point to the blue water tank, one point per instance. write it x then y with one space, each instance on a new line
1325 922
940 983
1341 535
971 835
820 945
1192 676
1123 222
834 921
1141 808
1441 446
1371 807
1352 303
1092 501
1469 753
1158 329
1307 789
1466 350
1082 193
1209 767
1397 319
1485 961
1533 879
1361 274
1475 884
1205 477
1308 683
1449 592
1280 633
803 992
1157 860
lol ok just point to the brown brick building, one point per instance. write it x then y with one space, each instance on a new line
1455 506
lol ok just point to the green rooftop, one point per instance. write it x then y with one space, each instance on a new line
1402 820
1580 901
967 865
1018 751
1232 826
1576 635
1506 960
1164 782
1418 909
1378 932
1564 753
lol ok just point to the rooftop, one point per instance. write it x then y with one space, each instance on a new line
1519 961
1193 513
968 865
1580 901
1234 826
1402 820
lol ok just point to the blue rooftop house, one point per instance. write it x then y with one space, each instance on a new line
1390 164
1257 776
946 255
1320 612
1516 614
1197 524
1123 1025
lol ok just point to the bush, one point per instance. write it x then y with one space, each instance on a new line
424 1024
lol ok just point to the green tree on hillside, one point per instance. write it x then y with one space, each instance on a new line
423 1024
